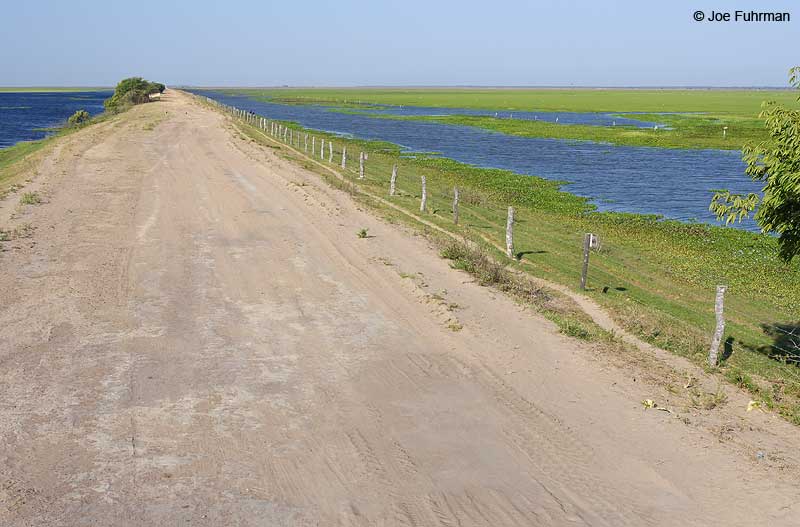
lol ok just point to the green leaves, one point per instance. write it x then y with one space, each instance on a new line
776 162
78 118
130 91
733 207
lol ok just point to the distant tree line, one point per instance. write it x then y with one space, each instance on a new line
132 91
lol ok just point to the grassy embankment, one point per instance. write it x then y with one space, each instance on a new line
736 109
17 160
656 278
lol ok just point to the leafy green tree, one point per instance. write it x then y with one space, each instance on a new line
130 91
776 162
78 118
155 87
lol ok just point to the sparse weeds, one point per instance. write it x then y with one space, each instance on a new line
30 198
363 233
742 380
478 263
489 272
24 230
707 400
575 329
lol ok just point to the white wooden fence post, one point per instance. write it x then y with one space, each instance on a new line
344 156
305 143
361 166
719 331
313 145
330 151
393 181
423 203
587 244
510 233
455 205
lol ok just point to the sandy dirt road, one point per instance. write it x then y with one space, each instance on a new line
194 335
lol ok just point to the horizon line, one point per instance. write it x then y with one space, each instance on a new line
422 86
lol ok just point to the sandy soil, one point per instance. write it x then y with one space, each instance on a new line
194 335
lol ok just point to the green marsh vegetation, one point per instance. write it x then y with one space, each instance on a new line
683 131
742 102
704 112
657 278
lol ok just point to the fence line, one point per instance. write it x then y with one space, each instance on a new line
280 131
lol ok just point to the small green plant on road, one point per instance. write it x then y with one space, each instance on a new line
30 198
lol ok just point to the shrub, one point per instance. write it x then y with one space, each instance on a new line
78 118
131 91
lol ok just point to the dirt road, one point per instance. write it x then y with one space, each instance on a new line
195 335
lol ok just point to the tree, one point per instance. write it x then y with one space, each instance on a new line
130 91
78 118
155 87
776 162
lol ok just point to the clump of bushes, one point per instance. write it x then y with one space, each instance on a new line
132 91
78 118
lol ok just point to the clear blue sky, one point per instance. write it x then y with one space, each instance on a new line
375 42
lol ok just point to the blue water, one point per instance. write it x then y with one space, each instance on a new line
23 116
674 183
